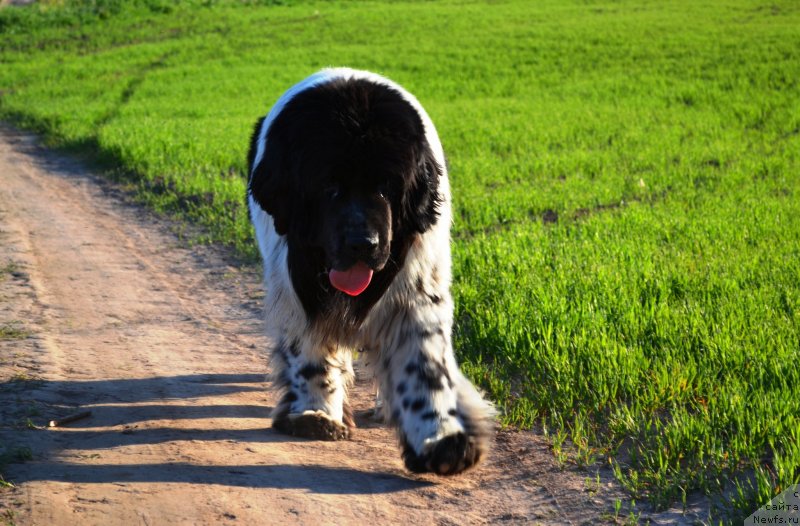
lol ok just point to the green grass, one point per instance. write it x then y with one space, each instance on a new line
12 331
9 268
625 173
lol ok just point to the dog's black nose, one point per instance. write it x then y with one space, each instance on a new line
360 243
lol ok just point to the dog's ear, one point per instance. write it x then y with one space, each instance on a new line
269 182
423 198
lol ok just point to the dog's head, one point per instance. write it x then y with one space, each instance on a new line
347 173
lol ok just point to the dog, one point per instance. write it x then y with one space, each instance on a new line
350 200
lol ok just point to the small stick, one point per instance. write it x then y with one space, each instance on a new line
69 418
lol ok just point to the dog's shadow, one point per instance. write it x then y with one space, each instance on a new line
314 478
127 414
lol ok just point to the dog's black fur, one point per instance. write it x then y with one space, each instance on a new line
347 157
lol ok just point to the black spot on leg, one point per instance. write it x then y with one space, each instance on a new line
418 404
290 397
284 379
311 370
293 350
452 412
429 415
420 285
435 298
431 374
425 333
401 388
406 403
412 367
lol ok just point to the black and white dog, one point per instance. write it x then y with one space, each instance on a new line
350 201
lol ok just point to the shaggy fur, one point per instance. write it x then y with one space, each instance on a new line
347 169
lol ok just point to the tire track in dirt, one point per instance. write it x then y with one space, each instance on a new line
163 343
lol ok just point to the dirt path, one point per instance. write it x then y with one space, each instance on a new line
105 309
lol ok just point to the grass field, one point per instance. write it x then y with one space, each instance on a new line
626 178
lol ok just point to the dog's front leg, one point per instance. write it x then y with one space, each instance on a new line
314 380
443 423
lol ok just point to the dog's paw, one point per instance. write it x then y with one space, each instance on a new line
447 456
316 425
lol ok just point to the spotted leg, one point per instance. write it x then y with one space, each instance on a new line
443 423
314 391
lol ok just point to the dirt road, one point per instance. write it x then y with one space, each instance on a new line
104 308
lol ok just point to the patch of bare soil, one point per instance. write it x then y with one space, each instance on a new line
109 311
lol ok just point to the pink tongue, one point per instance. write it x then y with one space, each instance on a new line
352 281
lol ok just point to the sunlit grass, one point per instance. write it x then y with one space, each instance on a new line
627 228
